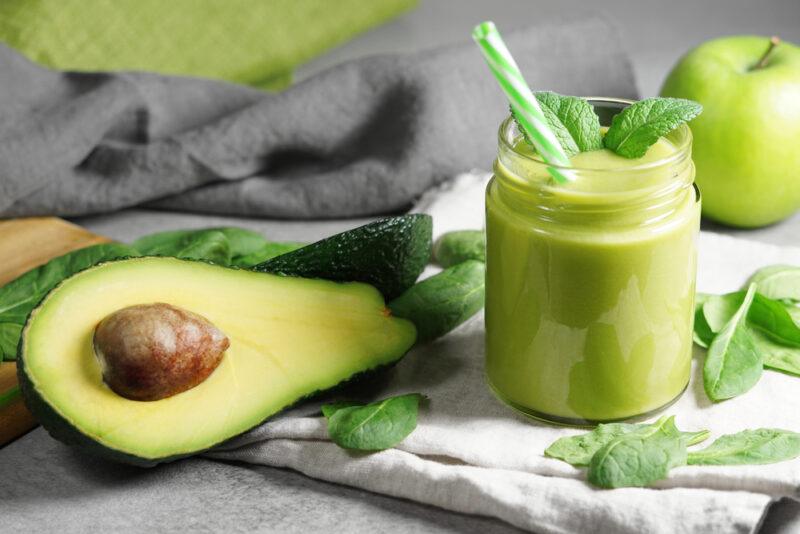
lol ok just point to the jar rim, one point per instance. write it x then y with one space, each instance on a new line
680 150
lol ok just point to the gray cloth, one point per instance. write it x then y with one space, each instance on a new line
363 138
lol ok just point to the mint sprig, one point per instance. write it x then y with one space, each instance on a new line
640 125
635 129
572 119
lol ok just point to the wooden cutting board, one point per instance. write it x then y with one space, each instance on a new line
25 244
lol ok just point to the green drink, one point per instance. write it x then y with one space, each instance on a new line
590 284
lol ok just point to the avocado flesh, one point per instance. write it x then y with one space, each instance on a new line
290 337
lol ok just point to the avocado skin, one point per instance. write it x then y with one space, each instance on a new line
60 429
388 254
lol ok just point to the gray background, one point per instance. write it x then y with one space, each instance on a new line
205 495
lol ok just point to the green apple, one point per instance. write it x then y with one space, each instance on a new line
747 140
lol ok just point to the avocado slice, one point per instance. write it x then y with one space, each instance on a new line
389 254
289 338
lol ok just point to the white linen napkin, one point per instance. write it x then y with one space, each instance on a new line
472 454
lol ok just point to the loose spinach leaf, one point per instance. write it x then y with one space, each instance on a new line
760 446
20 296
329 409
241 241
453 248
639 457
440 303
778 282
640 125
374 427
703 335
209 245
9 340
579 450
572 120
778 357
733 365
226 246
771 317
267 251
700 299
9 396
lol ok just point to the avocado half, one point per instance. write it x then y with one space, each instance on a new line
289 339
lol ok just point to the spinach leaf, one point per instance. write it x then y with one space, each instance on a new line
703 335
440 303
20 296
9 396
241 241
771 317
208 245
374 427
639 457
700 299
778 357
329 409
579 450
9 340
453 248
226 246
778 282
702 332
267 251
733 365
760 446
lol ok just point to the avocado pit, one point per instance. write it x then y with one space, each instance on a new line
153 351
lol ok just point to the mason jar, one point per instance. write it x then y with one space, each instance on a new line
590 284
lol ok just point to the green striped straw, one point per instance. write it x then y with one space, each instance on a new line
525 106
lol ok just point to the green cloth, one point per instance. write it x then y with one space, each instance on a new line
254 42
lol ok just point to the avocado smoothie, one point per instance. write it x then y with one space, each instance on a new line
590 283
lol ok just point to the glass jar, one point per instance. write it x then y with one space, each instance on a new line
590 284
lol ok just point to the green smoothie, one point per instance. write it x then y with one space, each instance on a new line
590 285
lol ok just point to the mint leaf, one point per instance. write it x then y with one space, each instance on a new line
374 427
733 364
640 125
640 457
572 119
759 446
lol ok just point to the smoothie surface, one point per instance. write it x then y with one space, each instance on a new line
592 169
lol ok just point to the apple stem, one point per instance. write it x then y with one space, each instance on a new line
773 42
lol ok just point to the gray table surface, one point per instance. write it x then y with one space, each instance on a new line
63 487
